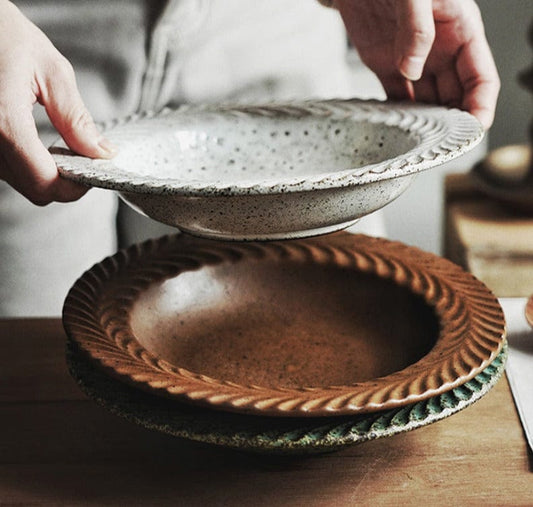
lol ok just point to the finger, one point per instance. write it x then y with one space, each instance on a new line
480 81
59 94
28 166
426 89
414 37
397 87
449 88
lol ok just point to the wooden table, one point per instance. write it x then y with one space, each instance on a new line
59 448
487 239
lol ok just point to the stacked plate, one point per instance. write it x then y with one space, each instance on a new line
300 345
292 346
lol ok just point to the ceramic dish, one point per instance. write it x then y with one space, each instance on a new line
339 324
268 434
506 175
272 171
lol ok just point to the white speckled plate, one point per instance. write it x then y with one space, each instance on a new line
273 171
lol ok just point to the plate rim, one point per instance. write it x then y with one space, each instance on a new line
471 321
444 134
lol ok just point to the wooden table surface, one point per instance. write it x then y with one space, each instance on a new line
59 448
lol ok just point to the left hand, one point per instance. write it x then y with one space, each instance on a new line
426 50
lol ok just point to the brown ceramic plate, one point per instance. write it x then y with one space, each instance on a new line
333 325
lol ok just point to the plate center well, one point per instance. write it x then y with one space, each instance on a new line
284 324
224 150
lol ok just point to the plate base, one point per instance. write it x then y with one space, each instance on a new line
309 233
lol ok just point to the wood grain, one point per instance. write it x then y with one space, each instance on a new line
58 448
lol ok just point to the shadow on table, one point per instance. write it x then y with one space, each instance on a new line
77 453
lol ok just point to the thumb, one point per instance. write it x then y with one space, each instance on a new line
60 96
414 37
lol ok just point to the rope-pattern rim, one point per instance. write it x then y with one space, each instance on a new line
472 328
442 134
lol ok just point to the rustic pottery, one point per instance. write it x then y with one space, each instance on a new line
274 171
272 435
506 175
334 325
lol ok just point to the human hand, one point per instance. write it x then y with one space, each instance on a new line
32 70
424 50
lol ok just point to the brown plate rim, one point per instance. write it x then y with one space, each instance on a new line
471 321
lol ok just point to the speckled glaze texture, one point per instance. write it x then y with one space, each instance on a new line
272 171
268 435
334 325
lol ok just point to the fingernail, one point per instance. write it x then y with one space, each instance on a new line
107 148
412 67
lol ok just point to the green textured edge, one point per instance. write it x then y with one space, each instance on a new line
271 435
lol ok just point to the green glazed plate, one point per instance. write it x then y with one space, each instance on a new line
272 435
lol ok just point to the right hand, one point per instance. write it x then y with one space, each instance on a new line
431 51
32 70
